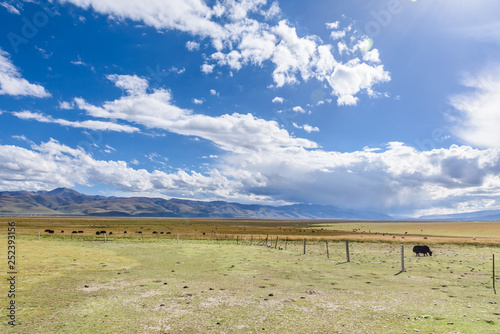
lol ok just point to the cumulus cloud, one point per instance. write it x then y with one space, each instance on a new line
132 84
371 56
278 99
306 127
192 46
299 109
242 34
207 69
52 164
337 34
65 105
262 162
333 25
396 179
349 79
233 133
12 83
479 120
273 11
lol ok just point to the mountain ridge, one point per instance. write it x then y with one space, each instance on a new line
68 202
64 201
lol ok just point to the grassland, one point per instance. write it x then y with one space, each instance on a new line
223 281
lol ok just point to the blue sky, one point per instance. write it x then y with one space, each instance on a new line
389 106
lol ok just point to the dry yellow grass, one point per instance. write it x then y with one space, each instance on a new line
415 232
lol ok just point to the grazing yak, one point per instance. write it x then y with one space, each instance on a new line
422 250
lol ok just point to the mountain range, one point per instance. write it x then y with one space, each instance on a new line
68 202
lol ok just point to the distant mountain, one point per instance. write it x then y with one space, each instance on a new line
487 215
63 201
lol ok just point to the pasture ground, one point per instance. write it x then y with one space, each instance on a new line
209 284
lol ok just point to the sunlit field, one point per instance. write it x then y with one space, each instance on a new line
222 276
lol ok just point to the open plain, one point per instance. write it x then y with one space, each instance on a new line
250 276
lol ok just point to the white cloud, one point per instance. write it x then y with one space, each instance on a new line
337 34
131 84
233 133
241 39
78 62
52 165
109 149
207 69
273 11
214 92
65 105
347 100
12 83
192 16
398 179
90 124
306 127
192 46
263 162
309 128
177 70
299 109
278 99
44 53
333 25
349 79
11 9
342 48
372 56
479 120
198 101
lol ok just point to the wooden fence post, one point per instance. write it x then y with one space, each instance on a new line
267 237
38 235
177 237
402 258
104 237
327 252
304 246
494 288
286 242
276 243
347 250
237 239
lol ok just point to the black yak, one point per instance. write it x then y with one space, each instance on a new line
422 250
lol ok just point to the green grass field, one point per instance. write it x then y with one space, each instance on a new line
81 284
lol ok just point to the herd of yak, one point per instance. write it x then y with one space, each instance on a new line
416 249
